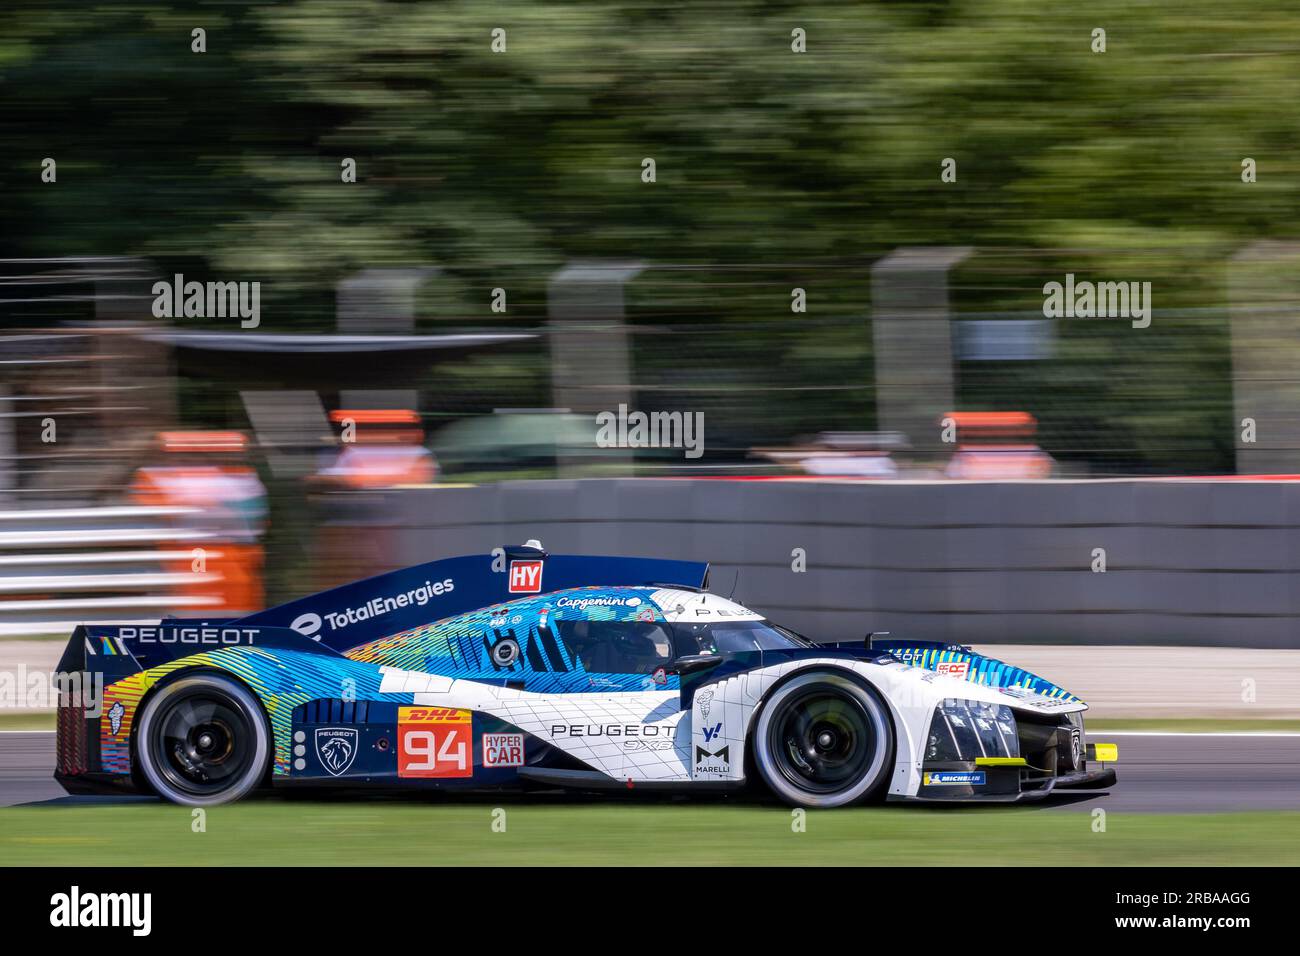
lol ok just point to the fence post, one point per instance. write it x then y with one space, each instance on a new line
379 302
1265 385
913 341
590 365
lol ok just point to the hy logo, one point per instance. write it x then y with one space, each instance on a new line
711 732
336 747
115 715
525 577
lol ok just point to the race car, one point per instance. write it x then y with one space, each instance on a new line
523 670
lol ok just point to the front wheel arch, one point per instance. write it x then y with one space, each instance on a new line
880 766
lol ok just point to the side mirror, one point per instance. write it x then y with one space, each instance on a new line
694 663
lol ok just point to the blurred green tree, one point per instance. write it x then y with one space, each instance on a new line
799 167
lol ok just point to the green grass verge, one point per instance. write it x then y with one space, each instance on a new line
658 833
35 721
1190 724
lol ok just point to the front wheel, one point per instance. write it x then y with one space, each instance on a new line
823 740
203 740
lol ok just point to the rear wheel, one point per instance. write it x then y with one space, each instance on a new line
823 740
203 740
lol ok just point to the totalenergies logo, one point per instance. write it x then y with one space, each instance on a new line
309 624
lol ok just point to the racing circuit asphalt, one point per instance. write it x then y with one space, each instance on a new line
1158 773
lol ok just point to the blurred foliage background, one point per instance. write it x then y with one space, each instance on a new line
774 170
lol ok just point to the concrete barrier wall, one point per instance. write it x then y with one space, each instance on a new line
1187 562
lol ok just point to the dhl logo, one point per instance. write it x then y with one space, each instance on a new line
432 715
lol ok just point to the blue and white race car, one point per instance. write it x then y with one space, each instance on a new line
520 669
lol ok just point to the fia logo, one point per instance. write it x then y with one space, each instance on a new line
336 747
711 732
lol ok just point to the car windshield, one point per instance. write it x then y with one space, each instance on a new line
616 647
729 637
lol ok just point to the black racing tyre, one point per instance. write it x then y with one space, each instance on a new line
823 740
203 740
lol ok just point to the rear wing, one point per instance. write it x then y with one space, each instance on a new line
120 650
343 617
386 604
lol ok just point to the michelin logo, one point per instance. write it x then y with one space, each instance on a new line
115 715
954 778
309 624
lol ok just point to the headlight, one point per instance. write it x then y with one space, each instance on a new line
966 729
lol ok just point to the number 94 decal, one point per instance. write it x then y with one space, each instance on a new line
434 742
